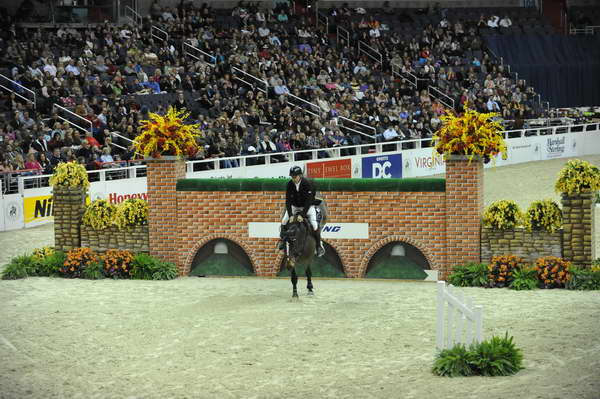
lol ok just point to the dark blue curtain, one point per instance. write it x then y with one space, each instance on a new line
565 70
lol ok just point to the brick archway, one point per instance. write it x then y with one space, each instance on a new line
189 256
397 238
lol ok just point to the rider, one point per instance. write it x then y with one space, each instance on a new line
300 197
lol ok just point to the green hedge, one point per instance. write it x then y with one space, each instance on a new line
388 185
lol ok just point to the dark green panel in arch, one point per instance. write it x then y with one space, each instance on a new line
388 185
409 266
234 263
398 267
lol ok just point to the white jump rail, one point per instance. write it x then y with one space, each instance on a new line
458 321
20 86
79 117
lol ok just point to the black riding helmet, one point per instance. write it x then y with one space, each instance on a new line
295 171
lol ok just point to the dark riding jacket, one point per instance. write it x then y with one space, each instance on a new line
302 198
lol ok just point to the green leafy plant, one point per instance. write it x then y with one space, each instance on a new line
583 279
94 271
146 267
498 356
99 214
524 278
469 275
578 176
501 268
502 215
543 215
454 362
51 264
20 267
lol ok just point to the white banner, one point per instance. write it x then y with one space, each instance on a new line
117 191
331 230
274 170
12 209
558 146
422 162
37 206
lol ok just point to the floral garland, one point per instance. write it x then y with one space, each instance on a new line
471 134
167 135
578 176
69 174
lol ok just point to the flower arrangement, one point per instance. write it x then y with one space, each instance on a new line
501 269
77 260
99 214
502 215
167 135
472 134
552 272
131 212
42 253
117 263
578 176
543 215
69 174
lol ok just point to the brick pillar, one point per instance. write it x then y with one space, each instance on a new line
578 221
68 204
464 206
162 176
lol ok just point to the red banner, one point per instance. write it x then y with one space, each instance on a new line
341 168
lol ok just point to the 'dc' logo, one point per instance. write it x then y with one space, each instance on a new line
381 170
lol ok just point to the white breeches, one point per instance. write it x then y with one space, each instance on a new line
312 216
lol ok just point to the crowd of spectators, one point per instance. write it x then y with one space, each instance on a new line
319 95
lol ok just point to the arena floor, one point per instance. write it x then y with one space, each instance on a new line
244 338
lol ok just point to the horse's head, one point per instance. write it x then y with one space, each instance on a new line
295 235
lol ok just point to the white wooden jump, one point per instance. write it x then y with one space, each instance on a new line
451 323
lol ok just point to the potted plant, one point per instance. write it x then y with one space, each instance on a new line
167 135
470 135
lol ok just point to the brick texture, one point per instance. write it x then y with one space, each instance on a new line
445 227
162 176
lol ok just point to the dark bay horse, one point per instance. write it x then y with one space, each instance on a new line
300 250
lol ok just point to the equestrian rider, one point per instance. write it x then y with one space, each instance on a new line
300 197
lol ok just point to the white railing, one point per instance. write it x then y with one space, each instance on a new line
369 51
187 49
252 80
133 15
77 116
370 129
406 76
316 110
343 35
158 33
440 96
105 174
587 30
322 20
17 88
461 322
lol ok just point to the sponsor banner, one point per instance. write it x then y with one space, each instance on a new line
341 168
422 162
588 143
382 166
331 230
117 191
518 151
37 206
558 146
12 210
275 170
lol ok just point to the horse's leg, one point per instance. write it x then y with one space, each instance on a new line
309 285
294 283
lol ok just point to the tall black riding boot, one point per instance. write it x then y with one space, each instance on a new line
281 243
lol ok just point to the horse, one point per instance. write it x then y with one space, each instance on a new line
300 247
